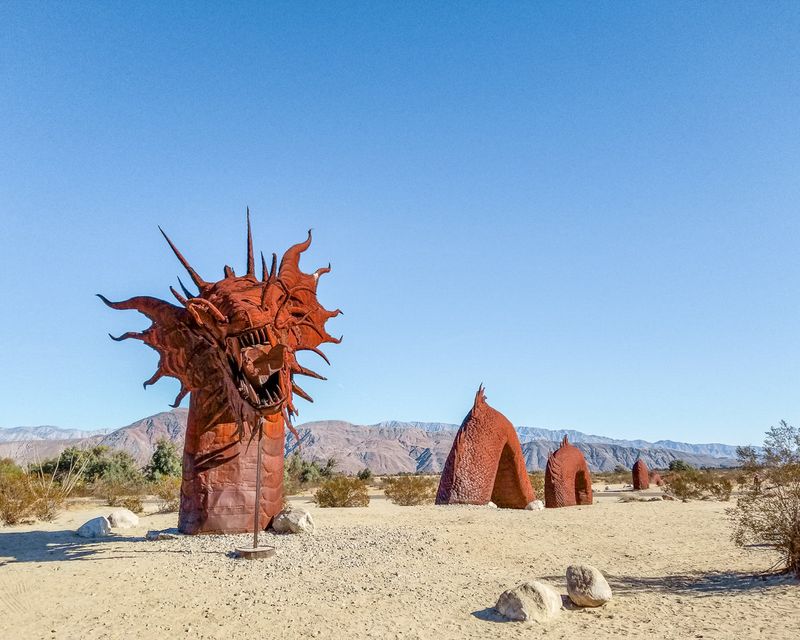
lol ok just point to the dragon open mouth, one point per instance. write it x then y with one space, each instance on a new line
256 366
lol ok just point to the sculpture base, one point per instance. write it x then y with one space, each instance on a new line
218 492
254 553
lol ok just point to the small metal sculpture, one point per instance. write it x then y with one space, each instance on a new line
567 481
486 462
641 476
233 345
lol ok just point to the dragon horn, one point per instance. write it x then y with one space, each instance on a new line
195 277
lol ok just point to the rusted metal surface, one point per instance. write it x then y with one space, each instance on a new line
641 476
233 345
486 462
567 481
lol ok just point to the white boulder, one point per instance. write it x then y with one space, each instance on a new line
587 586
536 601
123 519
95 528
293 521
491 505
536 505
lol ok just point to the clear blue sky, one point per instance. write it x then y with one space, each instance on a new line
592 208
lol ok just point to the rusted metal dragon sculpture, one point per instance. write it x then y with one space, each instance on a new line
233 346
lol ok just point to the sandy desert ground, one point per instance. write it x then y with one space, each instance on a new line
396 572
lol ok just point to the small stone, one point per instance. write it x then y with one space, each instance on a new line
123 519
536 505
293 520
530 601
586 585
491 505
655 499
160 535
95 528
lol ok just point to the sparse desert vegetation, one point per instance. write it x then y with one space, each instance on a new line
410 490
768 510
342 491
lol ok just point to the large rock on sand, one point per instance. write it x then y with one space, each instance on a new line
586 585
293 521
95 528
530 601
123 519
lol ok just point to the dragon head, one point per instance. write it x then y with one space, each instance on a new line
238 338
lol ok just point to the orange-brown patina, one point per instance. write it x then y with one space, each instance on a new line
233 345
641 476
655 478
486 462
567 481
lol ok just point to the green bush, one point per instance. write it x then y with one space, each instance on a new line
680 465
342 491
410 490
115 490
165 462
299 474
365 474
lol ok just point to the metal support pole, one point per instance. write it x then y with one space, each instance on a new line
258 489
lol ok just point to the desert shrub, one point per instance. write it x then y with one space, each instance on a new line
165 462
168 491
51 483
537 482
613 477
698 485
680 465
299 474
409 490
365 474
116 489
342 491
9 468
768 510
132 503
16 498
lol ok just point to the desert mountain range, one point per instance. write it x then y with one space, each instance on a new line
386 447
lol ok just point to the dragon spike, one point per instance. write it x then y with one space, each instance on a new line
301 393
308 372
194 275
264 274
322 271
186 292
251 267
125 336
155 377
218 315
181 395
288 422
229 273
153 308
317 351
291 259
273 267
480 397
178 296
